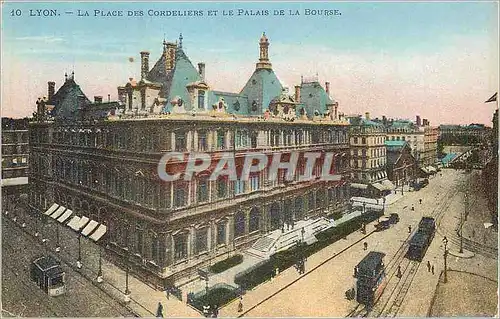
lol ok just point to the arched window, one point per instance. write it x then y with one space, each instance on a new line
254 220
239 224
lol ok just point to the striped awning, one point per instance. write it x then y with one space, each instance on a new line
51 209
89 228
388 185
360 186
65 216
99 232
58 212
378 186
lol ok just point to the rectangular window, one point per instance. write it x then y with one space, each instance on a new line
201 240
201 100
202 190
221 233
202 141
239 187
180 194
180 246
221 139
180 141
254 183
221 188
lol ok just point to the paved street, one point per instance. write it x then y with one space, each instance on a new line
22 297
321 292
318 293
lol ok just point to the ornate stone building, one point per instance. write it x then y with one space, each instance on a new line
368 157
100 160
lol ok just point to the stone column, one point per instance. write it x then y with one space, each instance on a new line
190 241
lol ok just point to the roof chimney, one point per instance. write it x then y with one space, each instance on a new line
367 115
297 93
418 122
144 64
52 89
170 56
201 70
336 109
327 87
97 99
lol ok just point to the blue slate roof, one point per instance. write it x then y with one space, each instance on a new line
313 97
395 146
448 158
65 100
236 103
260 89
181 75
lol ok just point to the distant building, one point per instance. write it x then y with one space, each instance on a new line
15 159
472 134
401 165
368 157
413 133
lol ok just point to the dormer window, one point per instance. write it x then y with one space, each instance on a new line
201 99
254 106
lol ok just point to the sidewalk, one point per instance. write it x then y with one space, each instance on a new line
143 298
287 277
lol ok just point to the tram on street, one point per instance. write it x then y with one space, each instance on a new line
48 274
370 278
419 243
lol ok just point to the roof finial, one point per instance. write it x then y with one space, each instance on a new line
65 76
180 41
73 74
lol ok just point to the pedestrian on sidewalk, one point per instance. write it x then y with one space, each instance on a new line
409 229
240 304
399 275
428 266
412 207
168 293
473 233
215 313
159 311
420 201
432 269
206 311
365 245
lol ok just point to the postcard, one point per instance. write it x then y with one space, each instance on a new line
249 159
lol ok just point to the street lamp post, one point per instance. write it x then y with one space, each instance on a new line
445 255
383 205
127 291
79 260
462 225
364 208
58 246
99 273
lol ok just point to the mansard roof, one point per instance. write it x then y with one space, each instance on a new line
314 98
66 100
262 87
181 75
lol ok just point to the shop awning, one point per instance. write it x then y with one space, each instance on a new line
378 186
74 222
388 185
360 186
82 222
89 228
99 232
425 170
58 212
51 209
65 216
431 169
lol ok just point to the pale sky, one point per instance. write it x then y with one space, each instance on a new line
437 60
